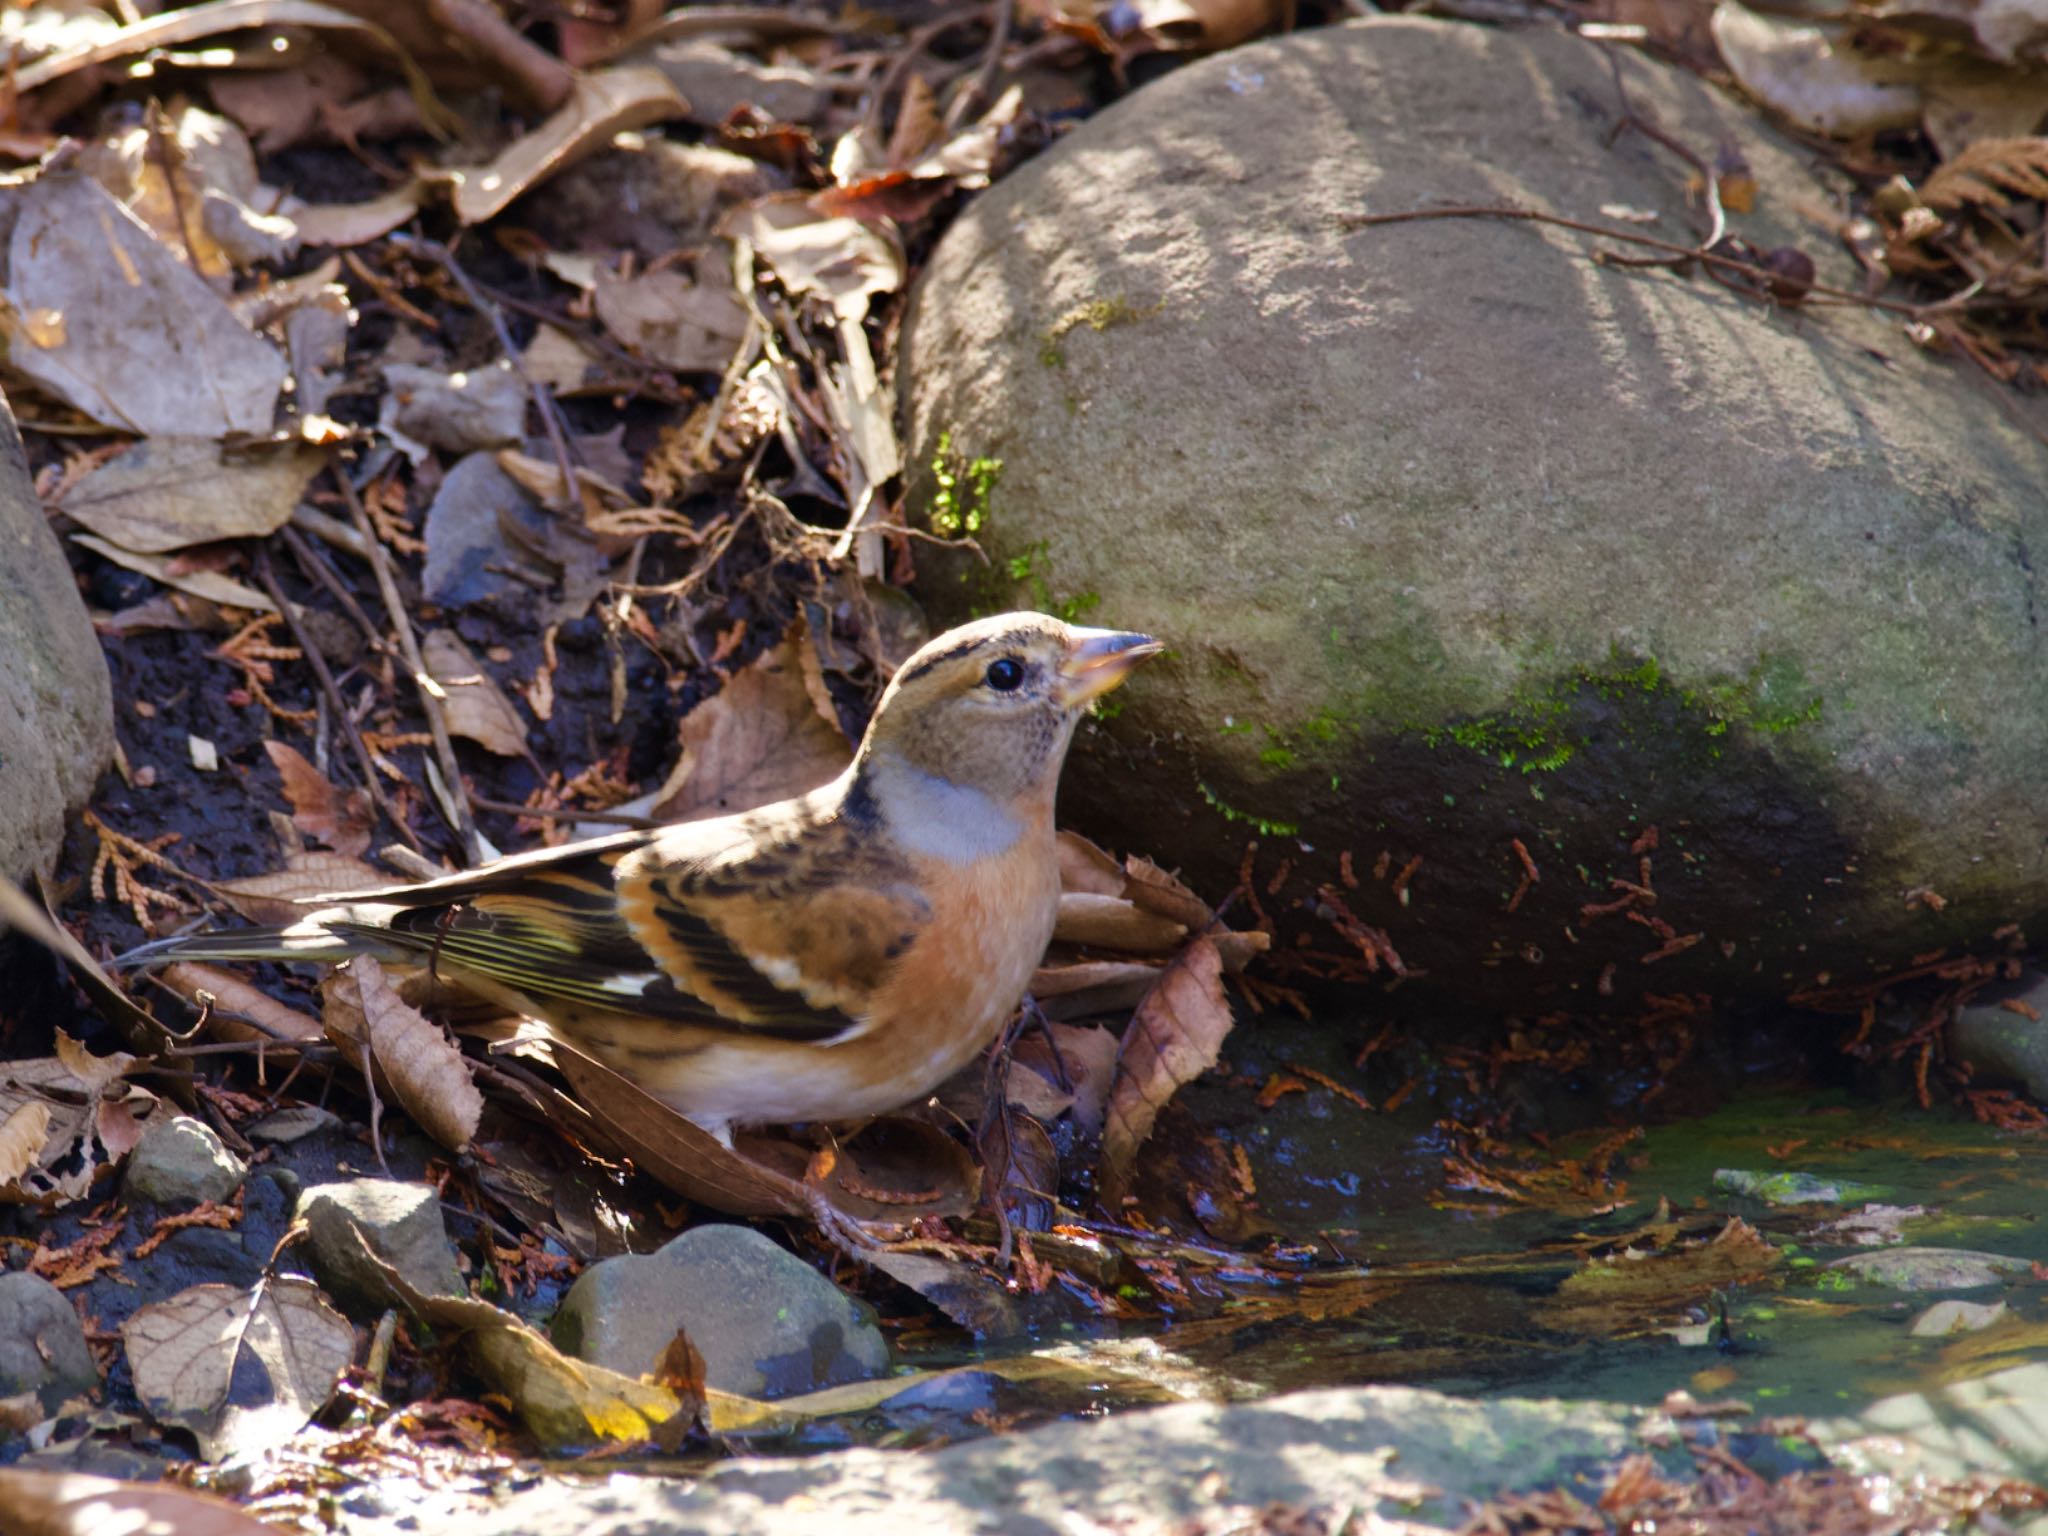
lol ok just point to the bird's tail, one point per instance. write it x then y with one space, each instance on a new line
302 941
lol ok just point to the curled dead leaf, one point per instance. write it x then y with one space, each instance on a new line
74 1504
757 740
320 810
279 896
1175 1036
420 1067
230 995
65 1117
1111 922
166 493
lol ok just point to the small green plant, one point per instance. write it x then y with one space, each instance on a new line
960 505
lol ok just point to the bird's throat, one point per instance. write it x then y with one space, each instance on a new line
936 817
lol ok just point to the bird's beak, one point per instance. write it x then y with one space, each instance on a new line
1097 660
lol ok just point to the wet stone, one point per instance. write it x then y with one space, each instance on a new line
767 1324
1932 1269
42 1343
401 1223
181 1161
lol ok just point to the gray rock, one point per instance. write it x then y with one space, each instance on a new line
1989 1427
182 1161
1932 1269
767 1324
1950 1317
1459 538
42 1343
1399 1453
2003 1041
56 707
403 1226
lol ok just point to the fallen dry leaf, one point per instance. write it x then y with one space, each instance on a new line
279 896
1085 868
243 1370
84 1112
842 260
211 585
230 994
475 706
758 740
600 106
73 1504
419 1066
102 315
460 412
1111 922
320 810
1087 988
676 320
1641 1289
1174 1037
165 493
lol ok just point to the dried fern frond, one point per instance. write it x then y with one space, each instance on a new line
1988 172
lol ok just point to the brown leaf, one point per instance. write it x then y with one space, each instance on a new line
279 896
421 1068
474 704
964 1292
895 1170
1092 987
842 260
79 1111
757 740
1173 1038
674 320
1111 922
1085 869
242 1369
73 1504
1088 1055
681 1370
600 107
1157 891
165 493
234 995
320 810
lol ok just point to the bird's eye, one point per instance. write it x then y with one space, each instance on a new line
1005 673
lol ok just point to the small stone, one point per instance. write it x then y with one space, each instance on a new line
2002 1041
766 1323
1932 1269
1947 1317
403 1226
42 1343
181 1161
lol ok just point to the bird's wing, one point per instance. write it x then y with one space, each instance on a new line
803 920
778 924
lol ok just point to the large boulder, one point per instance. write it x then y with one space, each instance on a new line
56 706
1463 540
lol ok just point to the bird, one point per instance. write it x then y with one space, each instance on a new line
829 957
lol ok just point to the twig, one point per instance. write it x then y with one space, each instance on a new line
376 1108
1630 118
975 91
543 402
315 565
1761 274
437 721
623 818
268 578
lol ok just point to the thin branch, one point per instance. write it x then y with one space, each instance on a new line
437 720
328 686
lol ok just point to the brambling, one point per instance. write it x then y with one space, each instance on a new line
827 957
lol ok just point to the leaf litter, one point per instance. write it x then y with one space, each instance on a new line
651 456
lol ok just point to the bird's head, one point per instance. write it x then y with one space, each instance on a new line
991 706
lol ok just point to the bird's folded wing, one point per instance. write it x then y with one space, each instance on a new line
785 937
